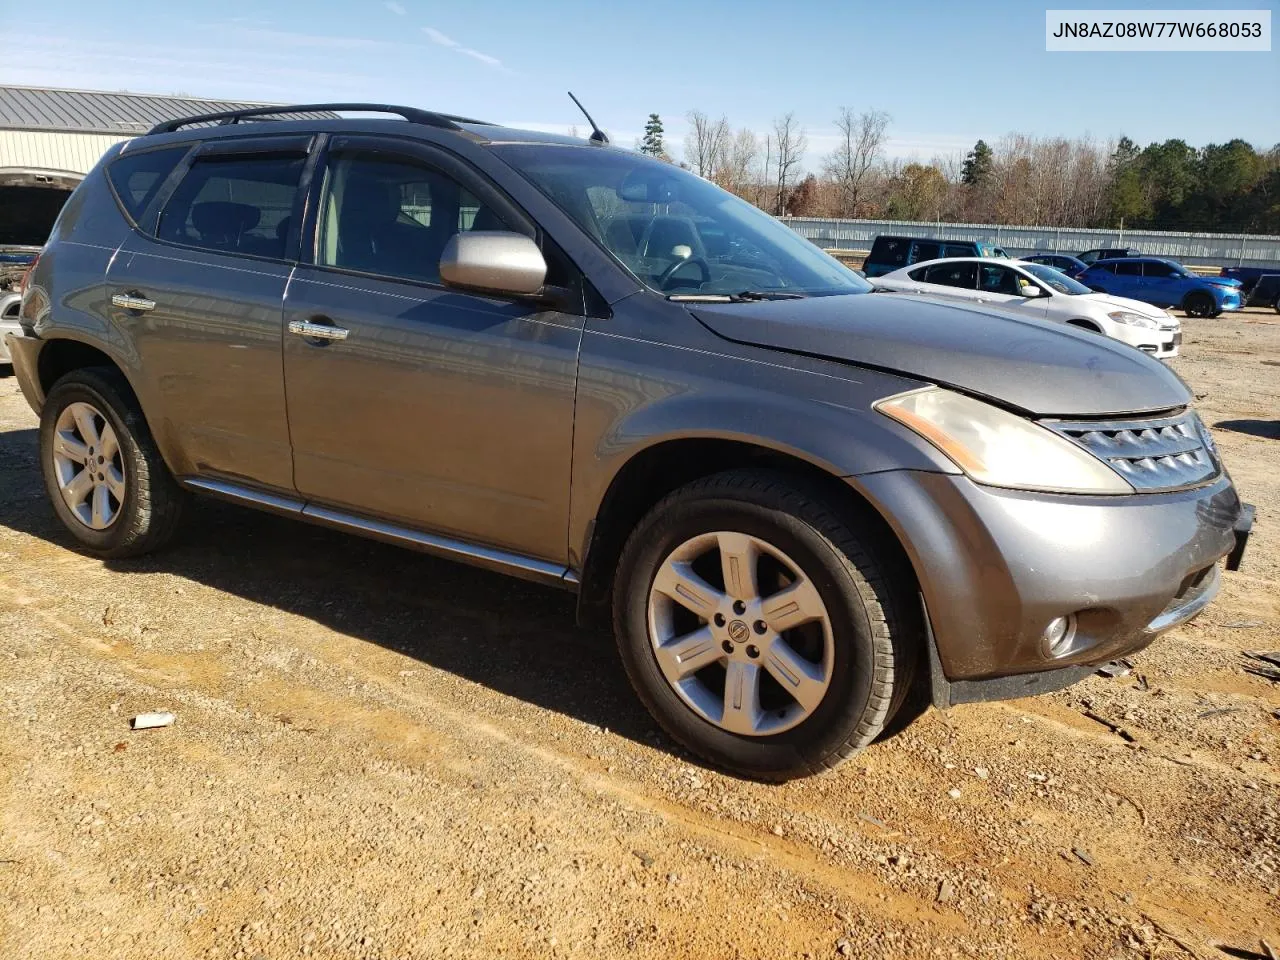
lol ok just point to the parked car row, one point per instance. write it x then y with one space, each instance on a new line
796 500
1122 271
1036 290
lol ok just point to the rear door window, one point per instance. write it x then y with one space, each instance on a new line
1124 269
958 250
241 204
925 250
891 251
962 275
136 177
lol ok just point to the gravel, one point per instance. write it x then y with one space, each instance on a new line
380 755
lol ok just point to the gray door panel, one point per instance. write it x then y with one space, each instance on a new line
440 410
210 352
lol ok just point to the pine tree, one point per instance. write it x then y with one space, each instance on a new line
977 165
652 143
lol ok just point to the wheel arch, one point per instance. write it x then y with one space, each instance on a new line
60 355
653 472
1085 324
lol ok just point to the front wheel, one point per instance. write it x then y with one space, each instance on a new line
103 472
1200 305
759 630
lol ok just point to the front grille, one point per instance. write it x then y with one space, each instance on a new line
1163 453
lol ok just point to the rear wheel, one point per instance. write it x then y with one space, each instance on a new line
1200 305
105 477
761 632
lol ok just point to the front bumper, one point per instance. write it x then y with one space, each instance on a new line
996 566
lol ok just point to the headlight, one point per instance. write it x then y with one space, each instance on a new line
999 448
1134 319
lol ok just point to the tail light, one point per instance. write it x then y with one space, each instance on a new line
26 275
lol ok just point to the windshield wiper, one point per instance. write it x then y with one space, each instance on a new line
745 296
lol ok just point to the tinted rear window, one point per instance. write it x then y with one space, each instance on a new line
890 250
234 204
137 176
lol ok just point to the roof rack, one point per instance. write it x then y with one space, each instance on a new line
412 114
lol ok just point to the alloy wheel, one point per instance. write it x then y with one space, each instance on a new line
88 466
740 633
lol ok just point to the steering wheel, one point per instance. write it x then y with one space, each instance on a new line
665 277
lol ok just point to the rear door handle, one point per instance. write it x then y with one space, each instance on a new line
318 331
132 301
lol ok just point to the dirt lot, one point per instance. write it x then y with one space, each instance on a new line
381 755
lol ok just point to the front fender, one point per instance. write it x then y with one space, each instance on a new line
634 394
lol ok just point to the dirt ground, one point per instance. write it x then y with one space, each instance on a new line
382 755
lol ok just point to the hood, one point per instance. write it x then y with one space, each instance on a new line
1223 281
1133 306
1040 367
30 201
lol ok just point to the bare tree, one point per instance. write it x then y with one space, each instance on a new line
861 143
707 144
790 142
738 173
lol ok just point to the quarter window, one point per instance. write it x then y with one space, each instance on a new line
394 216
137 176
234 204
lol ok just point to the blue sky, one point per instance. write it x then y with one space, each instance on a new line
947 72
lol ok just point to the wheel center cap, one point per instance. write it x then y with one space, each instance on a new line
738 631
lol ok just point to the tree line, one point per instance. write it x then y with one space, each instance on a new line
1018 179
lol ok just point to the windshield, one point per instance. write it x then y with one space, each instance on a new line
677 233
1056 279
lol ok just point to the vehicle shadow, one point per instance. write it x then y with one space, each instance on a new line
1267 429
514 637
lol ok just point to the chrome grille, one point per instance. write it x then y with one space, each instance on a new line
1162 453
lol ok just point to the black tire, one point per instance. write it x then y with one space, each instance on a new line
868 596
153 502
1200 305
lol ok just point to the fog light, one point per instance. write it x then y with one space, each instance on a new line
1059 634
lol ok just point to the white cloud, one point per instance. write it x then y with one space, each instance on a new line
395 8
482 57
444 40
440 38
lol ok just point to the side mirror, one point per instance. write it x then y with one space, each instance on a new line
1031 290
493 261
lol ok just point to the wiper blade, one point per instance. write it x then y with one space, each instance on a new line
745 296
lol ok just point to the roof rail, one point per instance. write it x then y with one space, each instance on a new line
412 114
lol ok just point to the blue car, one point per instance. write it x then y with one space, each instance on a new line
1164 283
1071 266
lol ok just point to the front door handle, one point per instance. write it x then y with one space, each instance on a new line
132 301
317 331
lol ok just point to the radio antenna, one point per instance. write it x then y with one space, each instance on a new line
597 135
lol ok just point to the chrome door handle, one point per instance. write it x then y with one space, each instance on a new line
132 301
319 331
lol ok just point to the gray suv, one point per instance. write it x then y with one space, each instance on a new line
796 500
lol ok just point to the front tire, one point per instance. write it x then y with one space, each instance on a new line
1200 305
102 470
760 631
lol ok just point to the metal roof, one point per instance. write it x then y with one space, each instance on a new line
97 111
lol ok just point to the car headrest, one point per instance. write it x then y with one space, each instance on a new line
224 219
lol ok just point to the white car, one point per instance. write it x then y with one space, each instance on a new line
9 304
1040 291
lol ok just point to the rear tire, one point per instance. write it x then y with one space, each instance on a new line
837 652
1200 305
102 470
